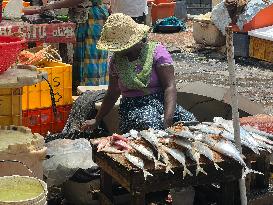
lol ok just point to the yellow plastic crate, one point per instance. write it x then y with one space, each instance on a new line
261 49
10 106
38 96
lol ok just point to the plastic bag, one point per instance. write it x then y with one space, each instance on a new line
66 157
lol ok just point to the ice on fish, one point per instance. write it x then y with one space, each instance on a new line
148 153
228 148
179 156
136 161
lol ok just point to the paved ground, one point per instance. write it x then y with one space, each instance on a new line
208 65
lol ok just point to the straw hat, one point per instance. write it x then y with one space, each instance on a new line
121 32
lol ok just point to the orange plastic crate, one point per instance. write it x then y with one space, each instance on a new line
43 121
162 10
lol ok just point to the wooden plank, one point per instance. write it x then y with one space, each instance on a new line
106 185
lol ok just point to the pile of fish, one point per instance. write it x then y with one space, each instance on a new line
209 139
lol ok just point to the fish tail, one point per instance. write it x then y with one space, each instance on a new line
217 167
200 169
146 173
248 171
158 163
168 169
186 171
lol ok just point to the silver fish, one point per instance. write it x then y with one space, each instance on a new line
192 153
136 161
182 142
227 148
262 142
195 156
166 160
179 156
147 152
150 137
111 150
259 132
183 133
246 139
206 151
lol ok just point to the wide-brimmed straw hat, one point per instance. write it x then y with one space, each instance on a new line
121 32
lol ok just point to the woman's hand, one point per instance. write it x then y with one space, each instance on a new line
89 125
167 123
33 10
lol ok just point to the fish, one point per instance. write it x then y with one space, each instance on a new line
183 133
112 150
195 156
227 135
227 148
136 161
122 145
259 132
262 142
150 137
166 160
105 142
207 152
192 153
246 139
147 152
182 142
119 137
180 157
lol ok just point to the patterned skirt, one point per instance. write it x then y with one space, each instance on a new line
146 112
90 64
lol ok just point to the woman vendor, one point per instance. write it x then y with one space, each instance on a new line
89 64
143 73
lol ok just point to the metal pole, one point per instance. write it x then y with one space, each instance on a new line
234 104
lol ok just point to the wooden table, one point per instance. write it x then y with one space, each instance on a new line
114 166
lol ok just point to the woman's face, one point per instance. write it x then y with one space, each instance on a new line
136 48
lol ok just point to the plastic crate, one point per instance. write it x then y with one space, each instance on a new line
38 96
241 44
162 10
262 122
43 121
10 106
261 49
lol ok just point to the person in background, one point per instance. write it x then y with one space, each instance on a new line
137 9
89 64
143 73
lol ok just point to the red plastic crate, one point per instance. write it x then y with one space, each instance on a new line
262 122
43 121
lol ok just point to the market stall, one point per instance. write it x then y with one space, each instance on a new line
61 33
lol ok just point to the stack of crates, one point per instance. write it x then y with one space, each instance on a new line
37 113
10 106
